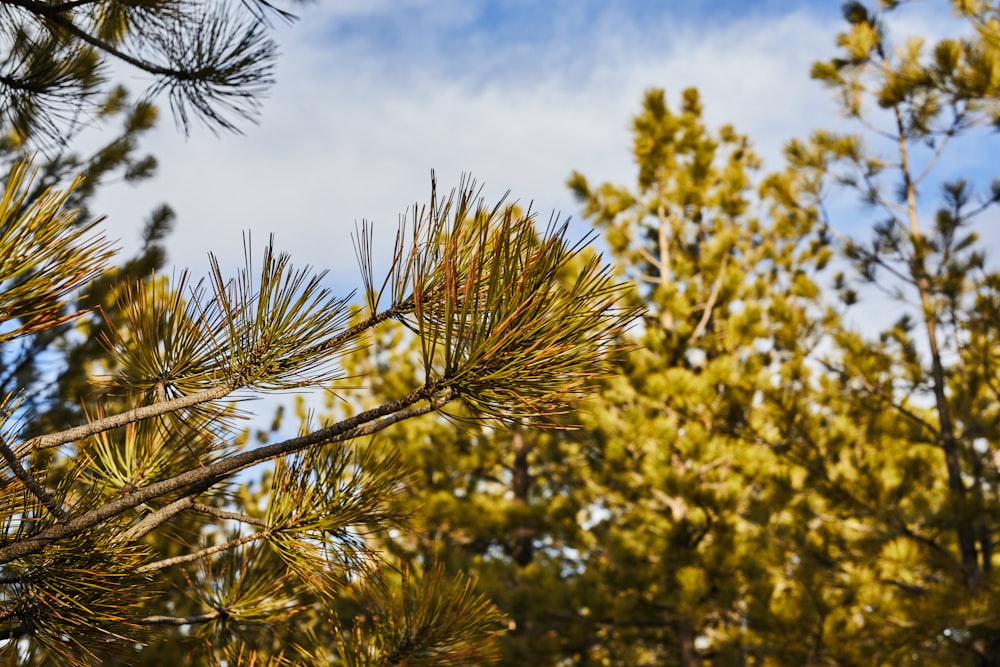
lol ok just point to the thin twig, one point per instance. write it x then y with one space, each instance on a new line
663 237
710 305
151 521
932 160
120 419
179 620
644 251
208 551
878 394
223 514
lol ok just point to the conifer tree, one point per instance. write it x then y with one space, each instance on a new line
645 537
99 518
763 482
688 496
897 442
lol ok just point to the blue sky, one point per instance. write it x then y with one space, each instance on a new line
492 40
373 94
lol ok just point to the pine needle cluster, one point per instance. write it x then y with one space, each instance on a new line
104 521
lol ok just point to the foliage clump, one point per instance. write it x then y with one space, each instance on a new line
133 523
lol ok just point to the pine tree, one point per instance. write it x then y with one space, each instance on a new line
646 537
690 498
762 483
897 440
99 518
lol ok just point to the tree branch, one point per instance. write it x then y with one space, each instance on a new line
645 253
179 620
56 15
198 480
160 516
73 4
208 551
121 419
710 305
876 393
663 237
223 514
181 402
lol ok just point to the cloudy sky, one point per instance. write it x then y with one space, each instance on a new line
372 95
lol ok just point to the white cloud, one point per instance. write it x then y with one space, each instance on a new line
354 126
356 122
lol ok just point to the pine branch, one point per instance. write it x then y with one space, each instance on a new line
710 305
204 553
223 514
55 14
121 419
198 480
210 60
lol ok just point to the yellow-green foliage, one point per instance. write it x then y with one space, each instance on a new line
760 483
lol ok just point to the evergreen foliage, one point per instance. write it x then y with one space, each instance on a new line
758 482
212 60
128 526
762 482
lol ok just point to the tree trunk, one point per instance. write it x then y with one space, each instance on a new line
947 440
687 652
523 542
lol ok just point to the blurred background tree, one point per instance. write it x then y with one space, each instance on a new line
898 445
762 482
644 538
